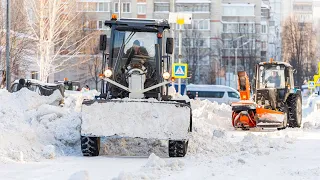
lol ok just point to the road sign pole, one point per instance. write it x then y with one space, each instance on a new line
180 55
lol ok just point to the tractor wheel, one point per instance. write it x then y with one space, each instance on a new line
177 148
295 111
90 146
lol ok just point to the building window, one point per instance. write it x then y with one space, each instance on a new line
100 25
204 42
126 7
34 75
201 24
231 28
238 10
103 7
116 7
203 7
93 7
142 8
161 7
263 29
263 45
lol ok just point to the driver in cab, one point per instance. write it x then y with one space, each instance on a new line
136 49
274 78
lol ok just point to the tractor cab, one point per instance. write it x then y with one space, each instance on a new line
274 84
136 57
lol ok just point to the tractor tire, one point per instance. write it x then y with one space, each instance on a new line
90 146
177 148
295 111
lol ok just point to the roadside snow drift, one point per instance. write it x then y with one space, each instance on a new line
32 127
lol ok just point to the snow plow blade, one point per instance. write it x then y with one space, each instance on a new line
136 118
270 118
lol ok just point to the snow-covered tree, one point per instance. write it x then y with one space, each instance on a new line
56 25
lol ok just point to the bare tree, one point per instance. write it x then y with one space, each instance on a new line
56 24
215 66
248 47
195 51
298 46
21 46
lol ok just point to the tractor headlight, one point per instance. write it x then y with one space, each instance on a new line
108 73
266 102
166 75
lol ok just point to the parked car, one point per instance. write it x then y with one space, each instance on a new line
43 89
218 93
70 85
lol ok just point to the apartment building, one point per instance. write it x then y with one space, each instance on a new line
274 29
222 26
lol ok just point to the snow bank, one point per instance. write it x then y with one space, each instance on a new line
262 144
32 127
210 123
81 175
311 114
312 121
153 169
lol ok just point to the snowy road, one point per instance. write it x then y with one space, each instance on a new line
300 160
41 142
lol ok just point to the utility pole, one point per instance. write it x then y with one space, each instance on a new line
119 3
8 80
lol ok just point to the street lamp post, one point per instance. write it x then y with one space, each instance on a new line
236 60
236 54
229 56
8 46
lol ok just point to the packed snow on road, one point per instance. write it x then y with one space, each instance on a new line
40 140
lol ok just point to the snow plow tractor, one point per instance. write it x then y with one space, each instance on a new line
137 104
275 104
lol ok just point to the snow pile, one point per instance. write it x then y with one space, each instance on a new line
32 127
262 144
312 121
153 169
81 175
177 96
210 122
311 114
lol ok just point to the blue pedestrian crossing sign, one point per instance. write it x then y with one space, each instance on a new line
311 85
179 70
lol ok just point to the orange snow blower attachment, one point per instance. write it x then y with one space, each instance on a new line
243 112
247 114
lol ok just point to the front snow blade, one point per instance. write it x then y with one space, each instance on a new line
136 118
270 118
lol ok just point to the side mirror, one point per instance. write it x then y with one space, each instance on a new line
169 46
103 42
